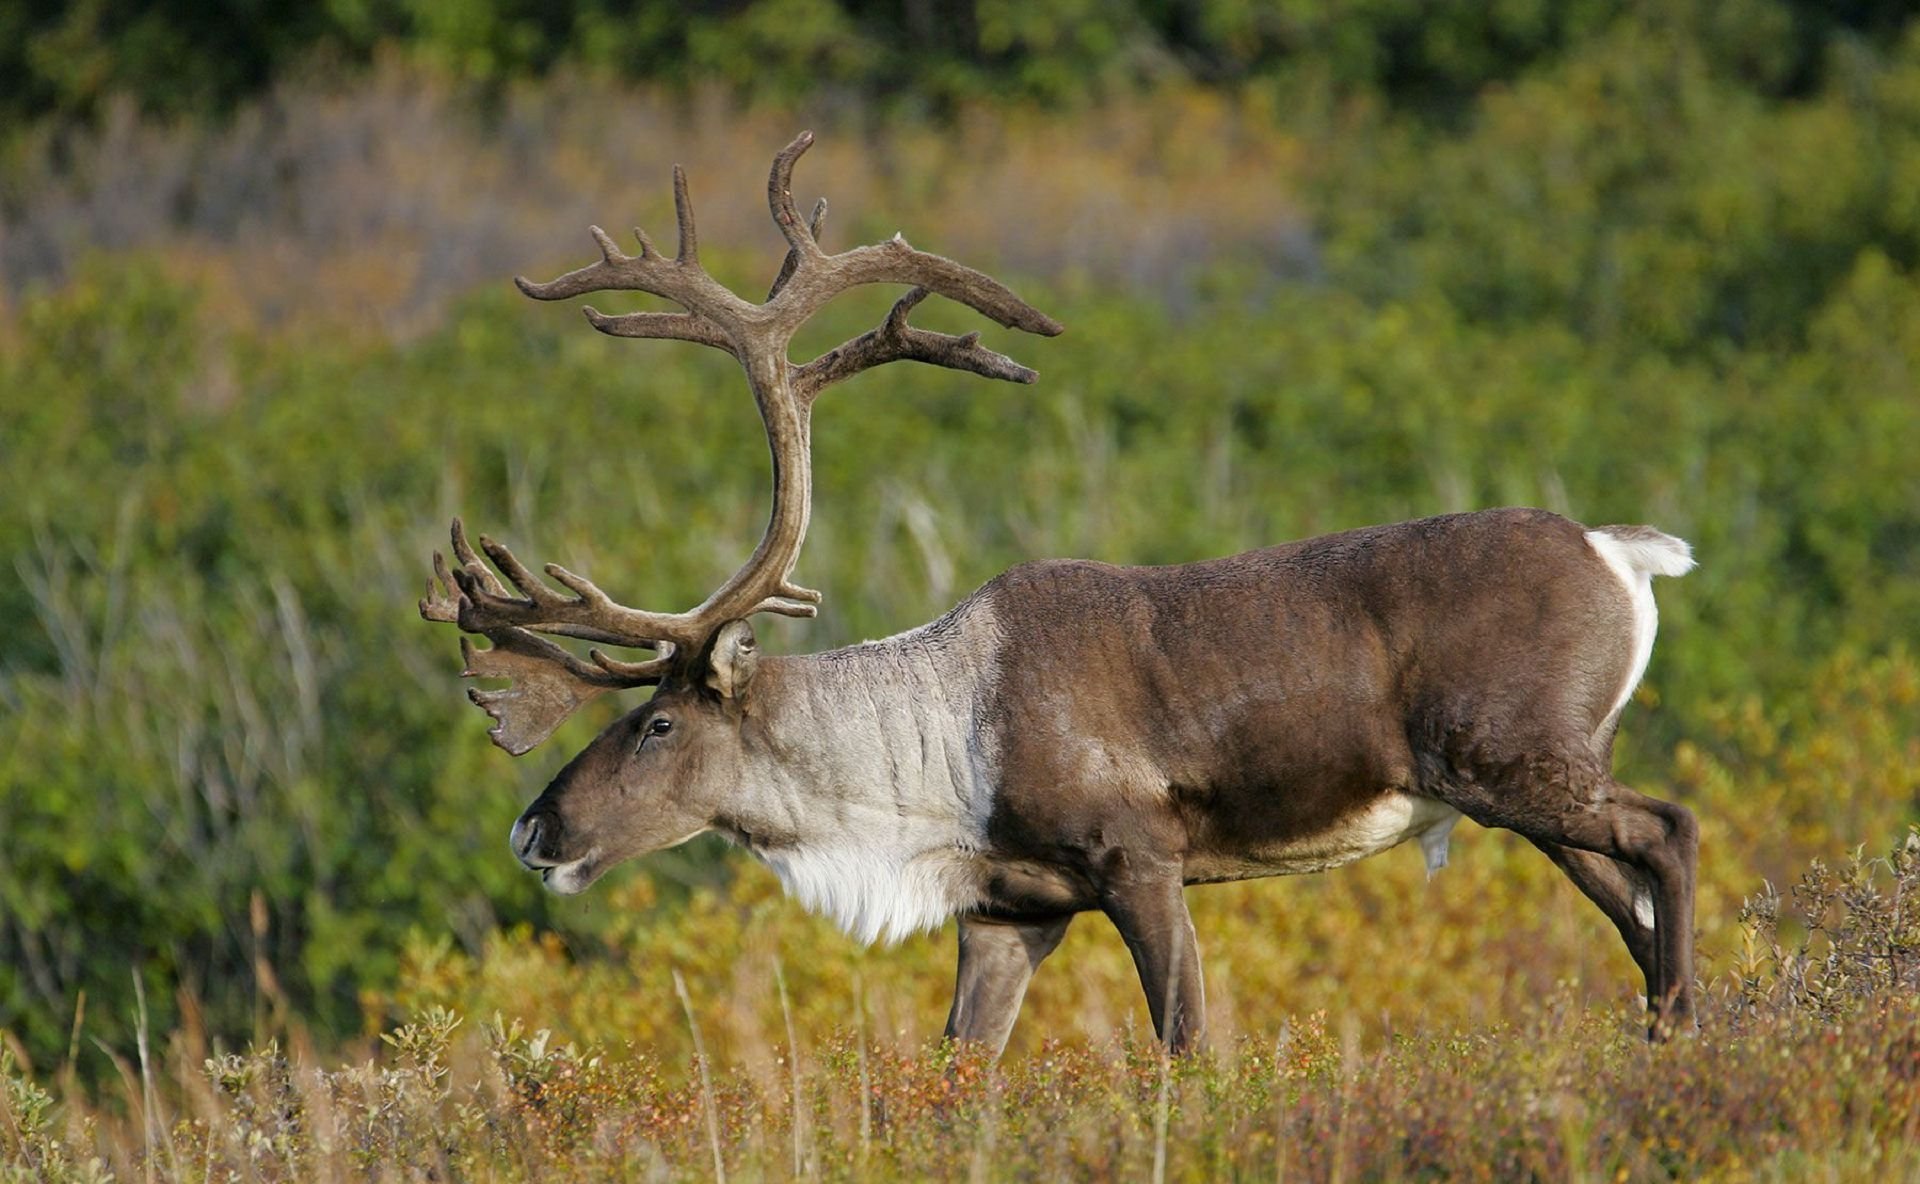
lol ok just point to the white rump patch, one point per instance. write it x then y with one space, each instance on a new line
1636 555
871 892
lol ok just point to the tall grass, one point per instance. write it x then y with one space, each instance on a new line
247 377
1806 1066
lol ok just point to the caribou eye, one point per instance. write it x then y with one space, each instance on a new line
659 725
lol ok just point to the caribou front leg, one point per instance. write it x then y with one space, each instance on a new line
1149 908
997 960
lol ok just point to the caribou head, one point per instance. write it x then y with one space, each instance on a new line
674 767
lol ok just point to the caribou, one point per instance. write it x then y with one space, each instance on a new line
1076 736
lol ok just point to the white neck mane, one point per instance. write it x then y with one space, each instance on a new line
871 891
883 793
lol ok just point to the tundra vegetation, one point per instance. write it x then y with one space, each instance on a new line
258 918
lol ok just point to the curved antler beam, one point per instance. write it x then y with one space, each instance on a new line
549 681
895 262
681 280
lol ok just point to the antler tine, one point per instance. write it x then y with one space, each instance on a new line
548 685
548 682
792 259
444 604
895 340
678 326
594 277
809 278
476 600
683 214
711 308
780 199
891 262
650 671
442 601
709 305
588 614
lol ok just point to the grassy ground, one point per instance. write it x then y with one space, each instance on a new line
1806 1066
249 369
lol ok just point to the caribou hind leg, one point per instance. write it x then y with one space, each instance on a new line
1621 894
1645 836
1660 840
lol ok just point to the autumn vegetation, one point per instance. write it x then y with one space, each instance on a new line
258 920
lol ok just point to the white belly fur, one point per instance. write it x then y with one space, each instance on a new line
1388 822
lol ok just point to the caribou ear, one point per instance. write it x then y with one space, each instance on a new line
731 661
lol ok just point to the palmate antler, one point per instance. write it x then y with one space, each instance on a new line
550 682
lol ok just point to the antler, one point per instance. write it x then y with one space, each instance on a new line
550 681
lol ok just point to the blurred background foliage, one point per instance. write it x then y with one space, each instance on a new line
1434 56
1323 264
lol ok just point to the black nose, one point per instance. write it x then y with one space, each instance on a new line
528 830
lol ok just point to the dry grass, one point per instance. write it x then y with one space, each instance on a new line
1806 1066
1368 1025
374 208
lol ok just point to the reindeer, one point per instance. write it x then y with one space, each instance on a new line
1075 736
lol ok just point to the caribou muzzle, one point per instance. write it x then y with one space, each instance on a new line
535 841
528 831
